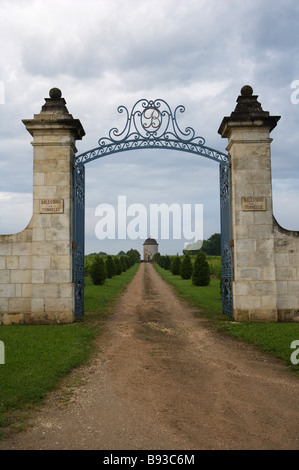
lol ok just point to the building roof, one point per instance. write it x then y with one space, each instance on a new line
150 241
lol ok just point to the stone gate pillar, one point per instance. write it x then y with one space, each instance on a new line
248 131
50 230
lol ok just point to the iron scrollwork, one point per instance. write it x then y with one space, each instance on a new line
224 184
151 124
79 185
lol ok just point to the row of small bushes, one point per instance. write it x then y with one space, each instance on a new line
103 267
199 271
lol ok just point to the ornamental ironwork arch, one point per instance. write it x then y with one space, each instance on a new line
152 125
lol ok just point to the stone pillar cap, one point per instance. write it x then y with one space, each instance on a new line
248 110
55 104
55 114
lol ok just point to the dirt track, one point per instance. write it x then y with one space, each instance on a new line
162 381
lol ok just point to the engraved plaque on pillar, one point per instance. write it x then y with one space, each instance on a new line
51 206
254 203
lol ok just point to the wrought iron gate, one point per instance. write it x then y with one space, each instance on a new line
152 125
226 239
78 237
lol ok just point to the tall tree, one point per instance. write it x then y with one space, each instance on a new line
212 246
134 255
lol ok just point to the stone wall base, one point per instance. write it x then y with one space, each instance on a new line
290 315
259 316
267 316
38 318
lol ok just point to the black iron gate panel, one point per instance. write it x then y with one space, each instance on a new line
78 237
226 237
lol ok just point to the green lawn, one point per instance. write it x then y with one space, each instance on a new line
38 356
206 298
272 338
99 299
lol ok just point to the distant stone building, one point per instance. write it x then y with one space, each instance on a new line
150 247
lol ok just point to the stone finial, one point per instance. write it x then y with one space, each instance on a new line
55 93
246 90
248 110
248 103
55 104
55 113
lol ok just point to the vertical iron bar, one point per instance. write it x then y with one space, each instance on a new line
226 237
79 235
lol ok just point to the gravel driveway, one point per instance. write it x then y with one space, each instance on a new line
160 379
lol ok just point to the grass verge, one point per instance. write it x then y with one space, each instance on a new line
37 357
274 339
206 298
98 300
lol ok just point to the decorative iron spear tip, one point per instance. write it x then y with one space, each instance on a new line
55 93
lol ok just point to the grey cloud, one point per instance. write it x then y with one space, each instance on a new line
108 53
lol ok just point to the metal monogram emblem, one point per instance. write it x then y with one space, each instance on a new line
152 115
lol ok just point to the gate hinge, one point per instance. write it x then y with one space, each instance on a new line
74 244
231 243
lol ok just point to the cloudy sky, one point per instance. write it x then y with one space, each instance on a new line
106 53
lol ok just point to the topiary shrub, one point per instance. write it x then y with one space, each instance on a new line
162 261
117 265
176 265
128 261
186 267
97 271
201 270
123 262
167 262
156 258
110 268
